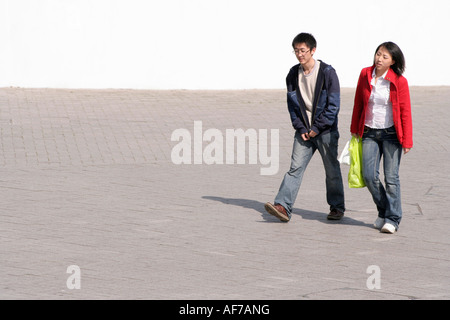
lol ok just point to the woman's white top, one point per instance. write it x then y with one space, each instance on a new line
379 111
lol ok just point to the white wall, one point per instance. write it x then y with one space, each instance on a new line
210 44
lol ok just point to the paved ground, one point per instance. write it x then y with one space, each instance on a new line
87 179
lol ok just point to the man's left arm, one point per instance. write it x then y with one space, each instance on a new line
328 116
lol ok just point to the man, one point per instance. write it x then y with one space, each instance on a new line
313 99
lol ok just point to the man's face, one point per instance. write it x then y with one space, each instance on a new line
303 53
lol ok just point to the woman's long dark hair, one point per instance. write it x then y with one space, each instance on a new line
397 56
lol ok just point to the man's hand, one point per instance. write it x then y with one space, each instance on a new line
307 136
312 134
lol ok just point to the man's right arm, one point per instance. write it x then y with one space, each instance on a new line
292 103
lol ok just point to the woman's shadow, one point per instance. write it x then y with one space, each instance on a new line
305 214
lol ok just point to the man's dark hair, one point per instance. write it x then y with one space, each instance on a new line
306 38
397 56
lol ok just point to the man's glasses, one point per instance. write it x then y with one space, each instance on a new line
300 52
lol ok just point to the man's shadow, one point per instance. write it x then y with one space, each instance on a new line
305 214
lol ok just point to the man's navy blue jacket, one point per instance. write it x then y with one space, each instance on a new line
326 105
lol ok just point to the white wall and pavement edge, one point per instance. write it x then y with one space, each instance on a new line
203 44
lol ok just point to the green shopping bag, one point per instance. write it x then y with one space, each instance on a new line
355 176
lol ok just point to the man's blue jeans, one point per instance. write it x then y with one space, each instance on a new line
384 143
327 145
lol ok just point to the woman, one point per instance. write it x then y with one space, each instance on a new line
382 117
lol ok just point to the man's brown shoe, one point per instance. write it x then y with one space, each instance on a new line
277 210
335 214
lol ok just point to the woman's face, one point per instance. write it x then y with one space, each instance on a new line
383 60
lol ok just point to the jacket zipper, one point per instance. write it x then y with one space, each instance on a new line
301 102
315 106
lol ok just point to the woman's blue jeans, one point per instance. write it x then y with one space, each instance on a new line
377 143
327 145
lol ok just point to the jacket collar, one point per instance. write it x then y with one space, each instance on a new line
390 75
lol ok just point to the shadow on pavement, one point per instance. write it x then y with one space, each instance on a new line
305 214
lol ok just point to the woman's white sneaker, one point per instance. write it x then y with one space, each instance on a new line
379 223
388 228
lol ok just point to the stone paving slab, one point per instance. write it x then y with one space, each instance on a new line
87 179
